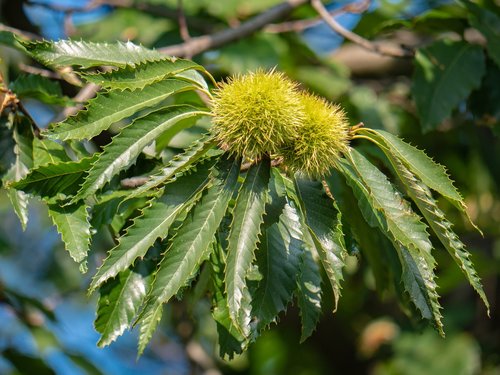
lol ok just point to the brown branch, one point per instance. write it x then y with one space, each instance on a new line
39 71
87 92
392 51
203 43
183 27
157 10
300 25
36 129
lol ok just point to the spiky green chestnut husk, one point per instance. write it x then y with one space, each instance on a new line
321 139
256 113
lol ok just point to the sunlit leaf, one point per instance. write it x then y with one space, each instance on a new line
73 225
139 76
89 54
154 223
325 228
190 246
110 107
278 260
129 143
242 242
120 300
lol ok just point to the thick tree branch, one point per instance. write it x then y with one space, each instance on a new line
203 43
393 51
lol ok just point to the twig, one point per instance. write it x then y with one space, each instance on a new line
300 25
39 71
203 43
183 27
392 51
274 163
133 182
36 129
88 91
157 10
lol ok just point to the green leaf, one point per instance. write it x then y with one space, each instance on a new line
141 75
324 224
38 87
89 54
73 225
422 196
418 280
431 173
178 164
308 294
47 151
242 241
190 246
55 180
154 223
130 142
11 40
195 77
384 207
110 107
26 364
396 217
23 150
488 24
120 300
19 201
231 341
445 74
278 260
374 246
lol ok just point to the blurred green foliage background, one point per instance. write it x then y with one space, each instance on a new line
46 317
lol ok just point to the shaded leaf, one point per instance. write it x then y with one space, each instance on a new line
374 246
488 24
422 196
38 87
10 40
47 151
178 164
110 107
154 223
418 280
325 228
242 241
397 216
130 142
89 54
51 180
231 341
190 246
73 225
278 260
26 364
445 74
384 207
308 294
23 150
